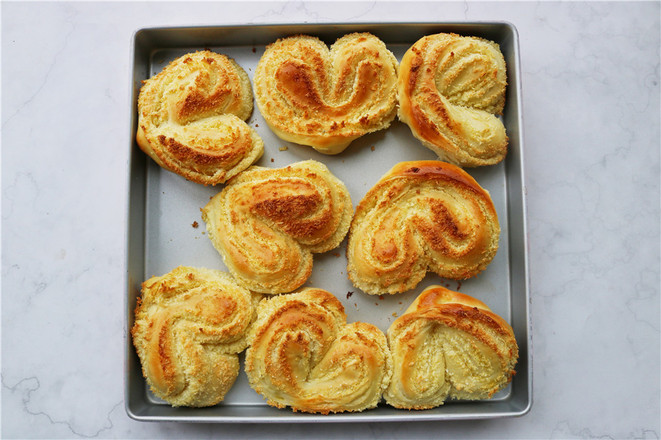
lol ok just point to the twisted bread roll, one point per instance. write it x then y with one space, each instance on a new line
326 99
450 88
191 118
448 345
189 326
303 354
420 216
266 223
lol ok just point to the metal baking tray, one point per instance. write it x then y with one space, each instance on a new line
165 230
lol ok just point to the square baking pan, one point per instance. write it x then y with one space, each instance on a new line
165 229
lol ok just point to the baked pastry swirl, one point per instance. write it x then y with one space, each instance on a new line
448 345
304 355
191 118
189 326
266 223
450 91
420 216
325 98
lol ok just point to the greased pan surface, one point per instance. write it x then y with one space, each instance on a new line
165 229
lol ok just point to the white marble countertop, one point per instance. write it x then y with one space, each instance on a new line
591 125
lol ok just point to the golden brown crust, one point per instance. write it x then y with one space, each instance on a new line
448 346
304 355
421 216
189 326
266 223
191 118
325 98
450 90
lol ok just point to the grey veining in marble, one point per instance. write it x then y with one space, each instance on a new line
591 125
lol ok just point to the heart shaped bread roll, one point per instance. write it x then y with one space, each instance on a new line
191 118
420 216
450 90
325 98
448 345
266 223
189 326
304 355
